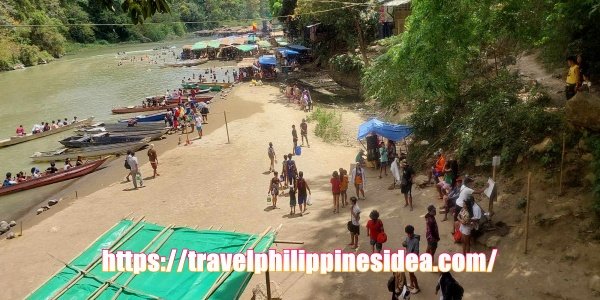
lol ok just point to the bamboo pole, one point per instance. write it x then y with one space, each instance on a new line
288 242
107 283
71 261
99 279
562 160
268 278
224 276
117 243
120 290
226 126
527 211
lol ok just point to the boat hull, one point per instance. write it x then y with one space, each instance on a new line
21 139
137 109
82 142
122 128
53 178
94 151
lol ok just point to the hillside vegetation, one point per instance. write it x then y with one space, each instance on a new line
55 29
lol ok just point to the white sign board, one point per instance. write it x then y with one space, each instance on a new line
496 161
490 189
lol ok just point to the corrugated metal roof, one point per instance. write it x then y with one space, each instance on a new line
396 2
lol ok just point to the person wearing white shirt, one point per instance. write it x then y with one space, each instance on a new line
468 223
465 192
135 171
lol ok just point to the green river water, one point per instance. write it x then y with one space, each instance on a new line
87 84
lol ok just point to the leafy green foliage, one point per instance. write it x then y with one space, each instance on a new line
593 142
347 63
329 124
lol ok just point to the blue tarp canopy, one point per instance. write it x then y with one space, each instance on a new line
268 60
297 47
394 132
287 52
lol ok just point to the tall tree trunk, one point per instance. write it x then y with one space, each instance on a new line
361 41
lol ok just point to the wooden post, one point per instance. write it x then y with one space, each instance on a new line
21 229
527 211
268 285
494 172
76 197
562 160
226 127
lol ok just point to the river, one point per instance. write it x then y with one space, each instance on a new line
86 84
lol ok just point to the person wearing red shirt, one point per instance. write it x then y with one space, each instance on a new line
335 189
20 130
374 228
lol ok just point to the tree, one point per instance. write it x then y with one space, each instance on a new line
138 10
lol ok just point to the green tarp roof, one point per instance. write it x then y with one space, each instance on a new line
245 48
264 44
214 44
127 235
199 46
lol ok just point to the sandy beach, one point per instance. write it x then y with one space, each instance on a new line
215 183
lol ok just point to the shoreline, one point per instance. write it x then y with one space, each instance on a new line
106 176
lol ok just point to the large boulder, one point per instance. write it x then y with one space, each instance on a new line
583 110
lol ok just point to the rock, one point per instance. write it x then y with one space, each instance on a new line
12 224
587 157
424 143
520 158
542 147
583 110
595 283
492 242
421 180
52 202
572 254
4 227
45 207
40 210
10 236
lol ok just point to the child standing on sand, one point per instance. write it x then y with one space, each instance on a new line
344 187
292 200
335 189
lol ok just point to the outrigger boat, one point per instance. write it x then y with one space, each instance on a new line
137 109
90 141
120 128
187 63
147 118
32 136
71 173
94 151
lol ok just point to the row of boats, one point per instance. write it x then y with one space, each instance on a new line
97 141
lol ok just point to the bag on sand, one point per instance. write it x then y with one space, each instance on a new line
298 150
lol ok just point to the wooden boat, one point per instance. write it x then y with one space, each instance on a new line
120 128
94 151
221 84
71 173
21 139
187 63
137 109
152 134
147 118
199 98
90 141
201 86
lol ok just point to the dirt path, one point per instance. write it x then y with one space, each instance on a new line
529 66
215 183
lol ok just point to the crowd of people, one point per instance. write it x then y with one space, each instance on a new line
299 96
45 126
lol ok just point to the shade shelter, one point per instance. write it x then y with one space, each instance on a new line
394 132
83 278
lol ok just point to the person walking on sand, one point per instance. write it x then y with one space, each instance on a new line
359 181
292 171
401 291
374 228
302 188
153 158
294 138
272 157
335 189
198 120
406 182
284 169
127 166
411 243
304 132
354 224
383 159
135 171
292 200
274 188
431 232
344 187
